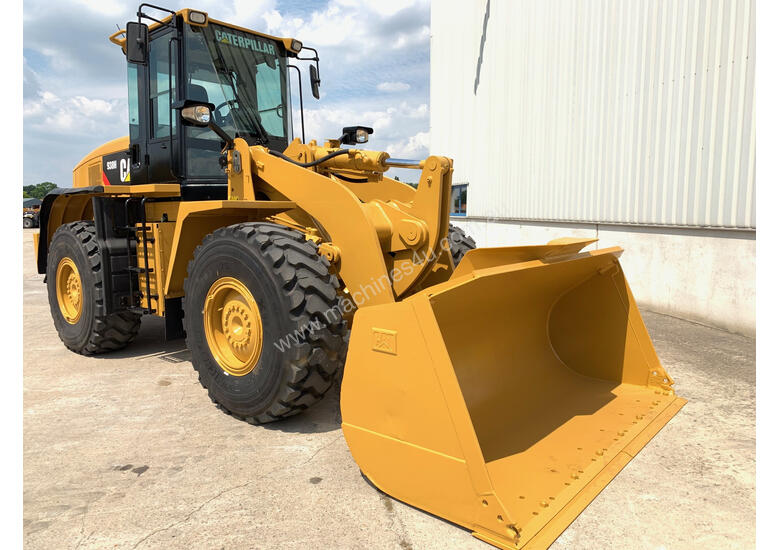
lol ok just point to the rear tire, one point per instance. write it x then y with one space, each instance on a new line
27 223
303 332
93 331
460 243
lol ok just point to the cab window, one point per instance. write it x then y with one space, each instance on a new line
161 87
270 103
133 108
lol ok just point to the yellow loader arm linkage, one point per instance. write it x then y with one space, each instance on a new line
383 249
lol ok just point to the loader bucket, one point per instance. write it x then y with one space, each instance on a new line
505 399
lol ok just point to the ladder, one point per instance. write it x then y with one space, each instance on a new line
140 301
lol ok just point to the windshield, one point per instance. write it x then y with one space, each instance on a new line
245 77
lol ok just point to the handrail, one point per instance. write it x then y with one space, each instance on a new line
300 99
113 38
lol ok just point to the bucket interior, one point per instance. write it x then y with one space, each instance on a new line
552 371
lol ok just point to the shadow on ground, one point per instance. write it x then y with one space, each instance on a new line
150 344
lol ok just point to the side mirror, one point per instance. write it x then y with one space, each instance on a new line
197 115
314 77
136 40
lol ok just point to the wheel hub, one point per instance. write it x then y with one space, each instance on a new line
69 292
236 325
233 326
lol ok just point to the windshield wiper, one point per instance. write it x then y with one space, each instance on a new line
246 114
253 121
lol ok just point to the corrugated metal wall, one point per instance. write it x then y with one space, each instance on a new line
599 111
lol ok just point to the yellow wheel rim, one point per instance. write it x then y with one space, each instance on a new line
70 296
234 330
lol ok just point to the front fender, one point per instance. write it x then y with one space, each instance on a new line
62 206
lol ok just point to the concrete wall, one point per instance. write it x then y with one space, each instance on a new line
707 275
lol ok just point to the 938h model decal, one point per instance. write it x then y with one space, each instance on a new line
116 168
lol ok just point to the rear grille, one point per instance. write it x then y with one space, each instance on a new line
94 174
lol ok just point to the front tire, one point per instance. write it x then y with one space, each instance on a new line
27 223
261 289
73 277
460 243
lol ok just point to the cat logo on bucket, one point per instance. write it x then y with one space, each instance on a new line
385 340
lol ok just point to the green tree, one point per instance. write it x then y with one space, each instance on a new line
37 191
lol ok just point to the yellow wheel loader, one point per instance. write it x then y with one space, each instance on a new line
498 388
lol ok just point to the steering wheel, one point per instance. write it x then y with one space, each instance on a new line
222 119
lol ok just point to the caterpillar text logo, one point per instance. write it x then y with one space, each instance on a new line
250 43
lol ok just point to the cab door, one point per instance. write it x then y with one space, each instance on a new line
137 116
162 120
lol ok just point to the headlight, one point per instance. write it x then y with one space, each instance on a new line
296 45
361 136
352 135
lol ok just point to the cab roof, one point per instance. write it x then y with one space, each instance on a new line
185 14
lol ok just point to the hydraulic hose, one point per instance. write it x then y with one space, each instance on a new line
312 163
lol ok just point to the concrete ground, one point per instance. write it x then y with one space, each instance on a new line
126 451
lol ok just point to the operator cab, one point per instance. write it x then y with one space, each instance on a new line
187 59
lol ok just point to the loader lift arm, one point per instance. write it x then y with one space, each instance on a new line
384 248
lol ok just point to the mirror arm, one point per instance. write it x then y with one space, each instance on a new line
221 133
316 58
315 82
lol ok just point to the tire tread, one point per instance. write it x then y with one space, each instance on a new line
313 363
460 243
111 331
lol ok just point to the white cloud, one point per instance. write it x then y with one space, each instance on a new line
273 19
76 115
421 111
415 147
104 7
326 122
248 10
362 28
393 86
380 7
414 38
30 83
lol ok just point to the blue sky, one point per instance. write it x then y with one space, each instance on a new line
374 69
